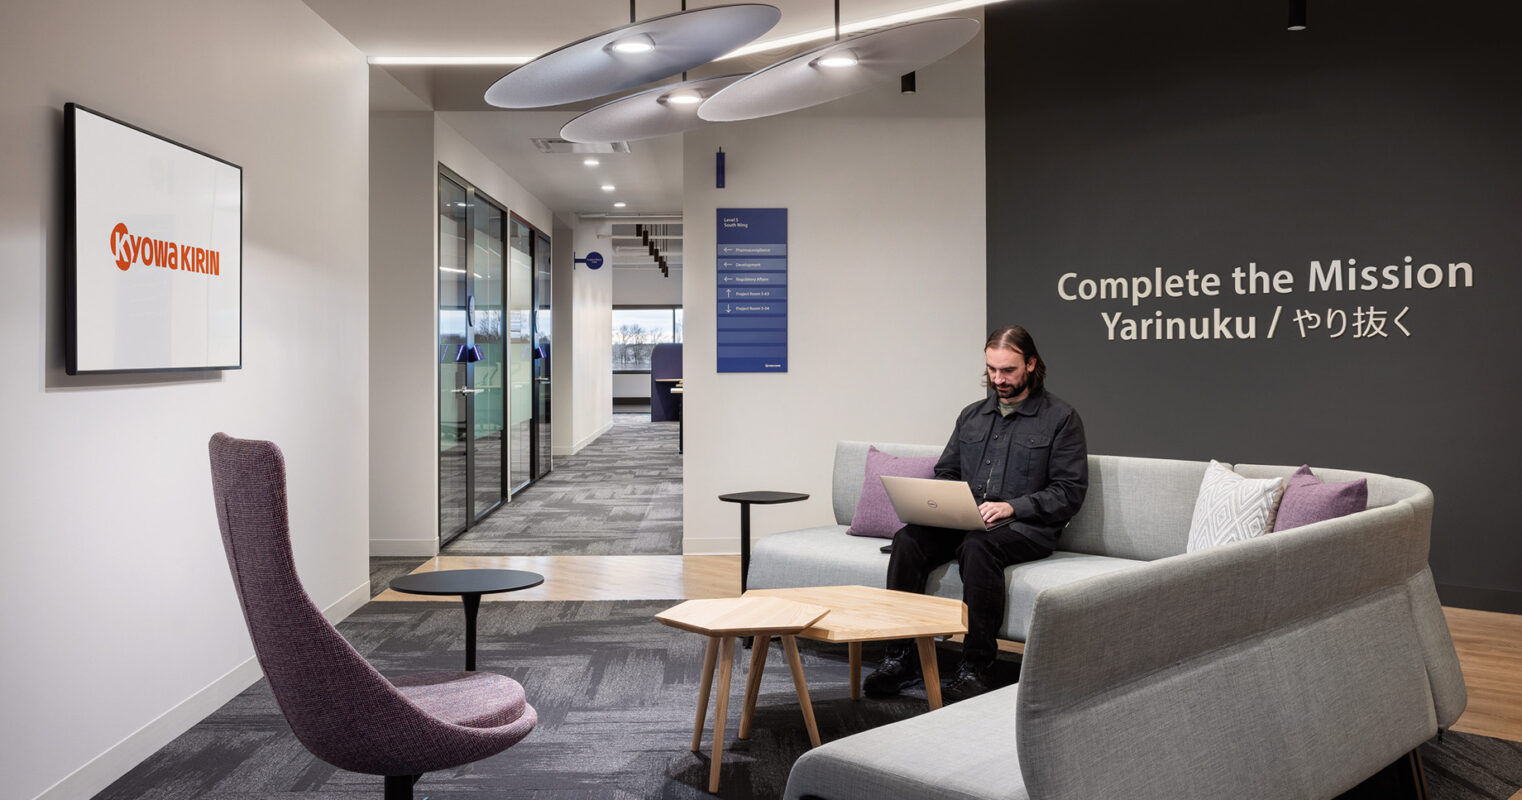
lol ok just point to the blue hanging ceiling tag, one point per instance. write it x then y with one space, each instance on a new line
718 169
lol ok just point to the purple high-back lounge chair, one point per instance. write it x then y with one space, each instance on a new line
340 708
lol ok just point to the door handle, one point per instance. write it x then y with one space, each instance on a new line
469 391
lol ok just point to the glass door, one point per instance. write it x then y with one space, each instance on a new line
543 283
486 318
520 353
472 356
454 338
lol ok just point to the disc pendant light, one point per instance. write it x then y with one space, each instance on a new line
840 68
657 112
632 55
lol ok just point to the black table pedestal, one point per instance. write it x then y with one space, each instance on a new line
746 499
472 602
469 584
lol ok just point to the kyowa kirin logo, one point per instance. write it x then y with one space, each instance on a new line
128 250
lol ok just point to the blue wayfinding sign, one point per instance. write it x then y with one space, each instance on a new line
751 255
593 260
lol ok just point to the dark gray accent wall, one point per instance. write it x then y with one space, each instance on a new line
1125 137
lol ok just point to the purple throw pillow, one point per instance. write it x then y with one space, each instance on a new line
874 511
1307 499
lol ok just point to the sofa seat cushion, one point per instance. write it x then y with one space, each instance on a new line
1023 582
823 556
970 754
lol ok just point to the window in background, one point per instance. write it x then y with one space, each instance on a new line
638 329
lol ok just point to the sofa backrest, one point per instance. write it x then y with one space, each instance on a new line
851 471
1383 489
1136 508
1204 674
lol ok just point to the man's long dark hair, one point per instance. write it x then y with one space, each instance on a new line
1018 339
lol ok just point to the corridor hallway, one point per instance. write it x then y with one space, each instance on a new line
605 524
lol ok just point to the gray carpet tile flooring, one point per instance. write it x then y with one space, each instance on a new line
621 495
616 694
384 569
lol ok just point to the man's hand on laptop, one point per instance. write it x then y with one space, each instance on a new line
994 511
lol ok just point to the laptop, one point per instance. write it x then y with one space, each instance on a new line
936 503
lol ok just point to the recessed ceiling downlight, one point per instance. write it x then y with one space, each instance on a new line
639 43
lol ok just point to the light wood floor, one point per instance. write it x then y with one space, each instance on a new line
1489 644
599 577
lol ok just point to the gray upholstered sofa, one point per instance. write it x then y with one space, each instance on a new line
1293 665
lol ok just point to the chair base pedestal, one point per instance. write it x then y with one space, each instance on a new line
399 787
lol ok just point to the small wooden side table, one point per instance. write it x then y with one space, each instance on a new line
721 620
868 614
745 499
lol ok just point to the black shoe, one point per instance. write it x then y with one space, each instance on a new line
968 682
893 675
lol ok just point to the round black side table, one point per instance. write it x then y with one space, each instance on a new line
469 584
746 499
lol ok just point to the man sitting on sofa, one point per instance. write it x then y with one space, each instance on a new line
1022 451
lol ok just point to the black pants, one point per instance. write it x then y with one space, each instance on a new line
981 556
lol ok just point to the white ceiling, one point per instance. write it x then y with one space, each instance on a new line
649 178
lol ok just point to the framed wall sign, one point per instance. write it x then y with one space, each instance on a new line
751 260
153 251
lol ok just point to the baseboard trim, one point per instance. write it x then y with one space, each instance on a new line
579 446
119 759
1480 599
388 548
727 546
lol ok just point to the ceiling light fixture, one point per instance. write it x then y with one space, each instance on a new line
881 56
655 112
844 58
594 66
620 204
885 21
639 43
608 187
591 162
1297 15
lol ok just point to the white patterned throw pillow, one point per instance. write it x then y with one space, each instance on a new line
1232 508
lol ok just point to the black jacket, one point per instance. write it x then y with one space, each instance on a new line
1046 461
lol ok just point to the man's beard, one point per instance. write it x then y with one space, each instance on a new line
1013 390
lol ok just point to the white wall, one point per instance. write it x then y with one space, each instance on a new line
122 627
584 346
404 438
408 147
886 275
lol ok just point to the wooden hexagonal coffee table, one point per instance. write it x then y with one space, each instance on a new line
721 620
866 614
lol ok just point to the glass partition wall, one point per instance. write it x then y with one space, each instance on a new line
487 359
